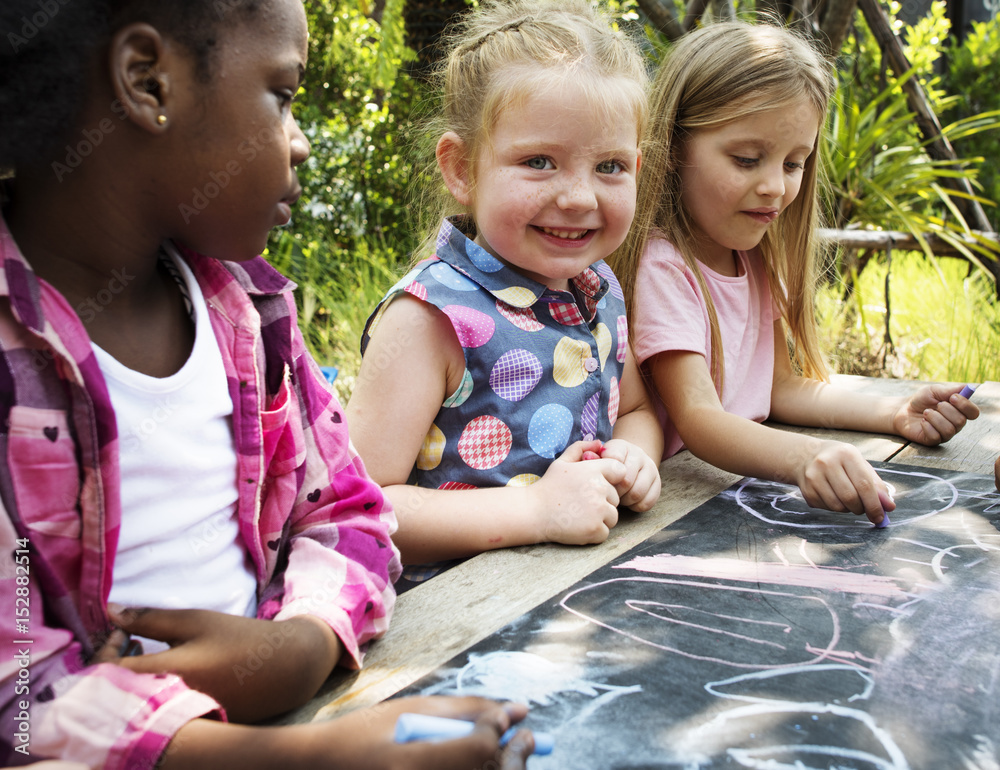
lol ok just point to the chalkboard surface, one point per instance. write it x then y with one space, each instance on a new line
757 632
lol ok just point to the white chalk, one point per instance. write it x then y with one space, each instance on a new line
423 727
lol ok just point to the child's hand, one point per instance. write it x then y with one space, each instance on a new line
838 478
934 414
363 740
577 500
254 668
640 488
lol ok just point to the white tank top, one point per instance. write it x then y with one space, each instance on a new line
179 545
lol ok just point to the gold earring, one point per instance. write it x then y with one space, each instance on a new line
161 119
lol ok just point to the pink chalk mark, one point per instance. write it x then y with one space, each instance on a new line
823 578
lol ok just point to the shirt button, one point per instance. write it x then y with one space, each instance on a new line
590 364
588 436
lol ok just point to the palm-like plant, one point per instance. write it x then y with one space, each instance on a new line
881 176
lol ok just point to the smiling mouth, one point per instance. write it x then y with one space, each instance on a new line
572 235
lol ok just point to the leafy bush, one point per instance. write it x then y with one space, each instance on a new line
350 229
967 75
353 229
881 173
944 325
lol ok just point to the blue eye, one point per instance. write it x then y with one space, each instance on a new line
538 164
610 167
746 162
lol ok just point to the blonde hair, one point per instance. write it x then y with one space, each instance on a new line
503 52
713 76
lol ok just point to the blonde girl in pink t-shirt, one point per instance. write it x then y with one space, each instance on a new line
729 184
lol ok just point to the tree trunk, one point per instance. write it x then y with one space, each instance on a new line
835 23
662 17
425 21
939 147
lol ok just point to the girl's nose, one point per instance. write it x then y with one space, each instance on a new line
577 194
772 182
299 148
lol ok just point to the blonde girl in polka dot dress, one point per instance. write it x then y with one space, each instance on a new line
498 402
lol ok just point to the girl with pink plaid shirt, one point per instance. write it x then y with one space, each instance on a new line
174 469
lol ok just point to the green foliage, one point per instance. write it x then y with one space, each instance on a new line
350 228
945 323
968 76
354 228
881 172
881 175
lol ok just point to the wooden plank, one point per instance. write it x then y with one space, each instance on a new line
883 239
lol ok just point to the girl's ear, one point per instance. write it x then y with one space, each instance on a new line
454 164
138 78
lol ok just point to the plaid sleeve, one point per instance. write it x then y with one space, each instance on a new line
341 560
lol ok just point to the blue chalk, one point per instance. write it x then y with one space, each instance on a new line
967 391
885 521
422 727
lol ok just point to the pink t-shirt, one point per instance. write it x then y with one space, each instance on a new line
671 315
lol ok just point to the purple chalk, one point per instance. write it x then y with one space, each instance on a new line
884 499
967 391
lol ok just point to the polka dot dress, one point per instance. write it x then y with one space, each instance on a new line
542 367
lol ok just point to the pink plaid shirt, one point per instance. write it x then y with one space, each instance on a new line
316 526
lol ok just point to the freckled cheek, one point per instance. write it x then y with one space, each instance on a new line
620 205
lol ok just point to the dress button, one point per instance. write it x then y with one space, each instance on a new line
590 364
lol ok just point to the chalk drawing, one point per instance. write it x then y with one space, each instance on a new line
756 632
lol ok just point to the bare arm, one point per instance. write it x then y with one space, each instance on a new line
413 362
254 668
931 416
361 740
830 474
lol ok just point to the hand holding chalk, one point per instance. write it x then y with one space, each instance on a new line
967 391
588 455
423 727
885 500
